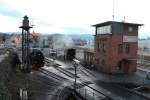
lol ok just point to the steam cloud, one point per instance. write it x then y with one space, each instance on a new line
62 42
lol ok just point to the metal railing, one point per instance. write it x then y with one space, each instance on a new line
90 94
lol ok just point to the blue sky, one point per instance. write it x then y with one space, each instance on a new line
72 16
7 11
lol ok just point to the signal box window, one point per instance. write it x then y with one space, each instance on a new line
103 62
120 48
98 47
130 28
127 48
104 47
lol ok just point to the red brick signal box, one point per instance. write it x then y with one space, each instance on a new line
116 45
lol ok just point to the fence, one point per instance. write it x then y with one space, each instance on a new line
90 94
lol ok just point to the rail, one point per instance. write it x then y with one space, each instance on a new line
94 93
87 71
127 90
67 73
53 75
144 70
99 92
90 94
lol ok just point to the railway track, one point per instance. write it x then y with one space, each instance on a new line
52 75
143 62
129 94
71 75
39 85
68 73
60 69
64 71
118 92
43 81
143 70
49 62
86 71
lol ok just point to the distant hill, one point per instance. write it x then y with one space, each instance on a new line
82 36
76 36
73 36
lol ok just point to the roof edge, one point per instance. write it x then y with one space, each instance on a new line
108 22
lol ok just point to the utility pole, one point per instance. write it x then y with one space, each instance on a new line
75 77
25 44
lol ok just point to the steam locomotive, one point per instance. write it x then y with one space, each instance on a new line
70 55
36 58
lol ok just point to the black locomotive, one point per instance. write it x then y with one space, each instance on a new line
36 58
70 54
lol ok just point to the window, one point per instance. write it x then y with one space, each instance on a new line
104 29
98 47
130 28
103 47
103 62
127 48
120 48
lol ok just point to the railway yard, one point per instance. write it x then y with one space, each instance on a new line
74 50
55 81
77 73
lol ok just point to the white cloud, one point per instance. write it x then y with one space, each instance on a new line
81 13
9 24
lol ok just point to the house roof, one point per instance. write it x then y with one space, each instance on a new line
35 34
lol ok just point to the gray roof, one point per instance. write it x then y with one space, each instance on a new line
110 22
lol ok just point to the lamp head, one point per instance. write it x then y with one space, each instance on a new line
76 62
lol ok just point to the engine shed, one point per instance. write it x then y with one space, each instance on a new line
115 47
75 52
